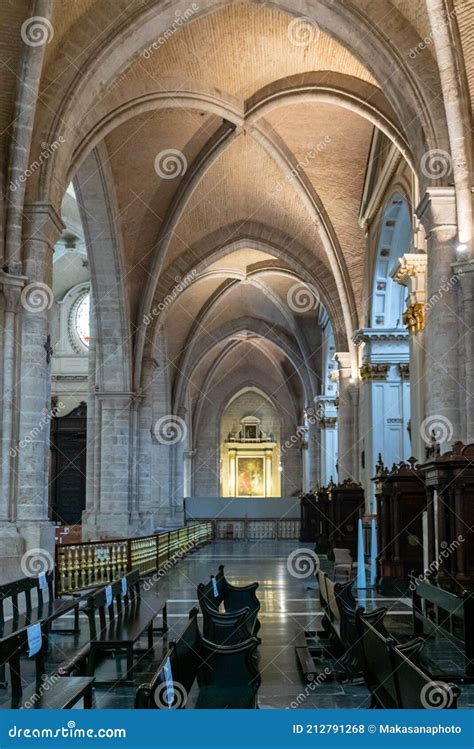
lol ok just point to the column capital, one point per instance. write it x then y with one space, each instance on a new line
42 222
343 359
369 371
116 399
411 266
12 287
437 208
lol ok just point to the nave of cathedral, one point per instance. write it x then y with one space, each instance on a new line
237 325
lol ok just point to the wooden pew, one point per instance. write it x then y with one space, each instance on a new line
19 595
25 611
221 627
118 624
312 645
227 676
393 675
58 691
453 615
238 597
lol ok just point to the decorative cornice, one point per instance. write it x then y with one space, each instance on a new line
69 378
414 318
367 335
369 372
410 264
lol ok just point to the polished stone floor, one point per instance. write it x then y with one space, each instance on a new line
288 605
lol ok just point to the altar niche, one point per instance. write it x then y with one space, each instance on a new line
250 464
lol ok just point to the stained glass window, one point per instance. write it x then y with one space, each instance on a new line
82 320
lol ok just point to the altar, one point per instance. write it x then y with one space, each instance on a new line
250 465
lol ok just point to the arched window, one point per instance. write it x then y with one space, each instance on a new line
81 320
388 298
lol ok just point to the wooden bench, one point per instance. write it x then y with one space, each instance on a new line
26 611
118 618
393 674
58 691
339 636
227 675
221 627
234 598
453 615
30 603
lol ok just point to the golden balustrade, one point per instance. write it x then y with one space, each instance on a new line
91 564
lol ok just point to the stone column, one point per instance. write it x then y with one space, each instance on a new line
348 449
311 455
178 446
383 392
411 272
42 228
112 515
465 273
93 422
327 443
11 543
437 211
143 511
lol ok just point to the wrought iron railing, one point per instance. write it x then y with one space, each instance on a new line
94 563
